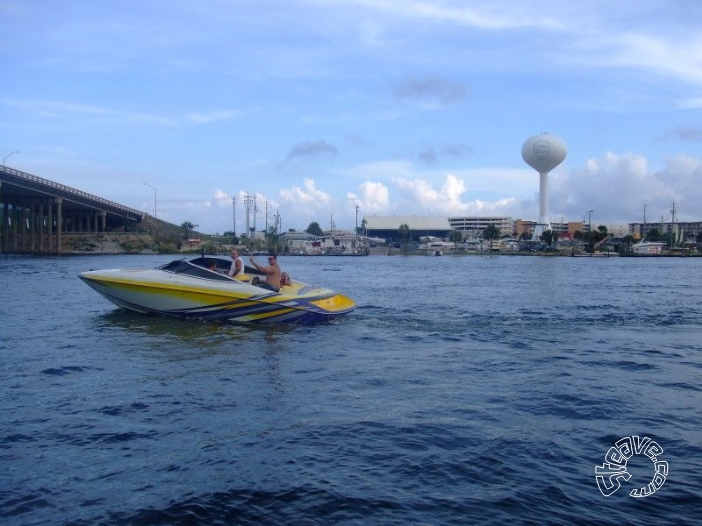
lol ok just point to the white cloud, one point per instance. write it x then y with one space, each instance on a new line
222 198
62 109
55 108
374 197
691 103
308 201
445 200
493 15
676 55
616 187
213 116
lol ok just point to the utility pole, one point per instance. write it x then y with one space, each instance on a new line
248 202
673 230
234 217
255 210
356 219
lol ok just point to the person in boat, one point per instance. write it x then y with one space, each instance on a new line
272 272
237 264
285 279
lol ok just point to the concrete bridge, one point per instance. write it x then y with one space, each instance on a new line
36 212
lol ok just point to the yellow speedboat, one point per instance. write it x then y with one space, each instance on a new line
201 288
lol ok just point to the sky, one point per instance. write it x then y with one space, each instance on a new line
329 111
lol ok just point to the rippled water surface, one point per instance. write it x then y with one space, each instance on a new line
463 390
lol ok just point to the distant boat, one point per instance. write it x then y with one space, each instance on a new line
648 247
436 248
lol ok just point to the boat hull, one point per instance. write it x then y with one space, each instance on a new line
158 292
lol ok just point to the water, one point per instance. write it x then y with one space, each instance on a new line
463 390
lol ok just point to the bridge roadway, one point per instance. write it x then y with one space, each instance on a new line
36 212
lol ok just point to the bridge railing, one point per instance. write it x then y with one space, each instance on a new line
67 190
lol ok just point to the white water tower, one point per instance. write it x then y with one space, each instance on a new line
543 153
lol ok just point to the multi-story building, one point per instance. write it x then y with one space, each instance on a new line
522 226
680 229
474 226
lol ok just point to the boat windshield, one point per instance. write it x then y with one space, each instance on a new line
182 266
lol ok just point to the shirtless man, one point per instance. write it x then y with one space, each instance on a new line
272 272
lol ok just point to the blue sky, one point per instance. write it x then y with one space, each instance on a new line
397 107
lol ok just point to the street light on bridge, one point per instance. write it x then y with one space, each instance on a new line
154 189
8 156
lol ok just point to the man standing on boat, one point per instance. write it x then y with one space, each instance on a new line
237 264
272 272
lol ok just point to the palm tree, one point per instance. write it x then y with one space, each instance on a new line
404 231
491 233
549 237
231 235
187 226
456 237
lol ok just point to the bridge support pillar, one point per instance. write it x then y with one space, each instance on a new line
3 218
4 230
49 225
33 226
59 223
40 226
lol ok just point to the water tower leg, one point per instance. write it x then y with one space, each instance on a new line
544 223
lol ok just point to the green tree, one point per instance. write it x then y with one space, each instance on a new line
625 246
404 231
549 237
231 235
272 238
455 237
491 233
654 235
314 229
187 226
601 233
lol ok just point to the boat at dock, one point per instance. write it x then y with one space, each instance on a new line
648 247
201 288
